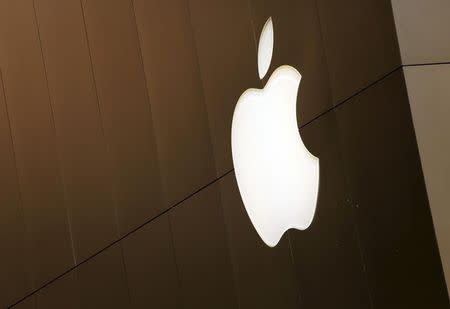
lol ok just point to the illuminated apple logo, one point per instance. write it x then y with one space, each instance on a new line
277 176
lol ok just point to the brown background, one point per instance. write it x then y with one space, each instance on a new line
116 181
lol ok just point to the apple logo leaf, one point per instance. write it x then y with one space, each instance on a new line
265 48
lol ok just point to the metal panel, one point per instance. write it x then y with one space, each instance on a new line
327 255
29 303
13 259
102 281
125 109
201 252
226 52
174 85
32 128
360 43
151 269
62 293
86 171
265 277
394 221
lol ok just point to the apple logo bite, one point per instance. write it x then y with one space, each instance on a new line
277 176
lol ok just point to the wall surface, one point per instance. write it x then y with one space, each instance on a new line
429 95
423 29
117 187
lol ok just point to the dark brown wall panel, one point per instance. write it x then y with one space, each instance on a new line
33 132
201 252
84 158
151 269
102 281
264 276
62 293
13 260
360 43
174 85
396 231
226 51
29 303
119 76
327 255
297 42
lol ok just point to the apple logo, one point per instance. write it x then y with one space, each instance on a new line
278 178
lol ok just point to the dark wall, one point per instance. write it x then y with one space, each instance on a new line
117 187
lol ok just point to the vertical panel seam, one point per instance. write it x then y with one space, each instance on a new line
202 83
109 156
397 37
362 259
330 88
19 189
333 108
209 120
122 255
180 299
291 251
235 266
148 98
60 170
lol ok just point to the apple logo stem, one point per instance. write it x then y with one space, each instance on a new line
278 178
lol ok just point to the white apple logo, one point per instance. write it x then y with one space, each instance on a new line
277 176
